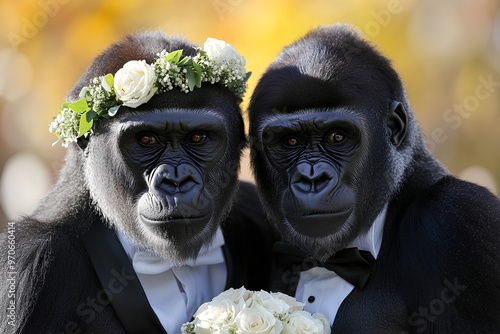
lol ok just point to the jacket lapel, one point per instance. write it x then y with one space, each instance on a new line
120 282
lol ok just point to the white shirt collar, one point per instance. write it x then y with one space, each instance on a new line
372 240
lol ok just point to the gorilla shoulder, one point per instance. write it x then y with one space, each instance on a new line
453 228
459 210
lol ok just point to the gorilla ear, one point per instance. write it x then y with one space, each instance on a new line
396 123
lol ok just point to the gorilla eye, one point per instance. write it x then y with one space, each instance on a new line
335 137
291 141
148 139
197 137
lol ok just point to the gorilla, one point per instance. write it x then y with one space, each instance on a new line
375 232
152 186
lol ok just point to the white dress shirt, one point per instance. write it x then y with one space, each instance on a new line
323 290
176 292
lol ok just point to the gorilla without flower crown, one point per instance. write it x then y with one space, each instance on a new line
335 144
165 175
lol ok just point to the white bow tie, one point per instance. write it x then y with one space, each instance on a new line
145 262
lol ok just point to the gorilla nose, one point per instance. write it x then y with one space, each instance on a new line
176 179
178 184
310 178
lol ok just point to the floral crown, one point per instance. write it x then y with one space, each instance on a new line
136 82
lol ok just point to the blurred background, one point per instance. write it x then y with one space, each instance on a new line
446 51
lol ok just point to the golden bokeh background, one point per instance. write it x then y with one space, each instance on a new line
446 51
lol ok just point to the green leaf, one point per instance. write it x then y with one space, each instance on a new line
174 56
247 76
197 74
186 61
90 115
203 53
110 80
113 110
107 82
79 106
197 67
65 105
86 122
191 79
112 103
83 92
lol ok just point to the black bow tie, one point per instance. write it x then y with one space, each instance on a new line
351 264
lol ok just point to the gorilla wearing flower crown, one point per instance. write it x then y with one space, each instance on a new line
376 234
147 220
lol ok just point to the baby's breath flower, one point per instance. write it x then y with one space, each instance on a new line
66 126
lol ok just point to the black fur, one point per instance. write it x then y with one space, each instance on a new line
440 251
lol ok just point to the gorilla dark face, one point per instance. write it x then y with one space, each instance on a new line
329 139
317 153
175 152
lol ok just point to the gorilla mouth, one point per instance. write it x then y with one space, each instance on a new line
176 227
320 223
176 220
320 212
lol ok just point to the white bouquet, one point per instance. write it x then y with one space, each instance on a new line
243 311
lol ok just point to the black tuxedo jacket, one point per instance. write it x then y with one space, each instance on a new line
438 269
72 279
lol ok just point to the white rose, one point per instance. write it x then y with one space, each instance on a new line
292 302
236 295
287 329
216 315
266 300
304 323
220 51
257 320
134 82
324 320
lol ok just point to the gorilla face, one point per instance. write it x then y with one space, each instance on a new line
174 152
316 154
321 174
166 176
